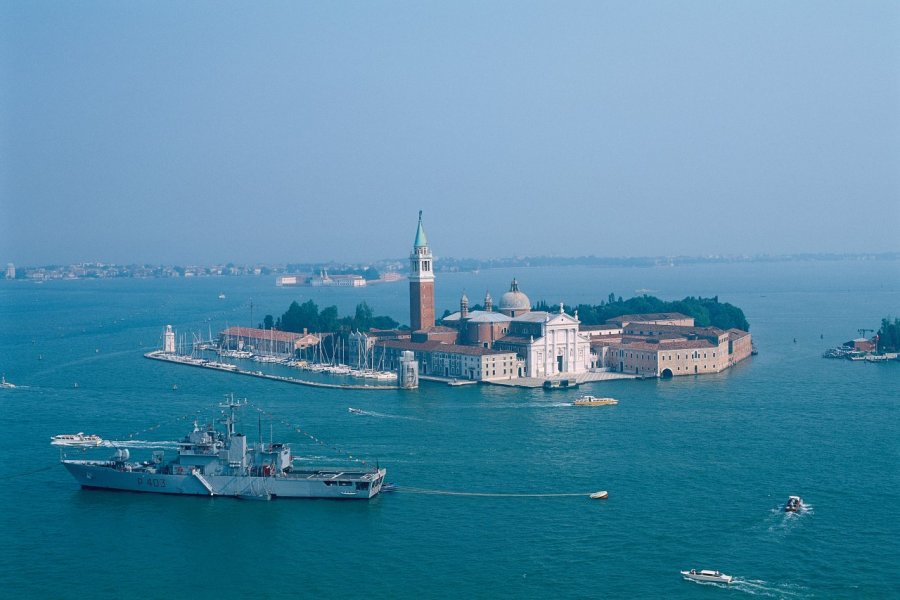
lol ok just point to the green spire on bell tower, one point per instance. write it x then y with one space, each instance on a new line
421 240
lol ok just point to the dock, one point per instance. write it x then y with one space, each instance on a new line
230 368
581 378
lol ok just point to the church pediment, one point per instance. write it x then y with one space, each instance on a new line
561 319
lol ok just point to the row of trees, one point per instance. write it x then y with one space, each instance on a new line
889 335
307 316
706 311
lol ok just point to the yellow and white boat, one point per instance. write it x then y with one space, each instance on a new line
594 401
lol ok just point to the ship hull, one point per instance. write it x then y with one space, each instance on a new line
306 484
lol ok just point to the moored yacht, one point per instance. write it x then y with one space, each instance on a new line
707 575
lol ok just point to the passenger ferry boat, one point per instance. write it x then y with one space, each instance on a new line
594 401
223 463
707 575
76 439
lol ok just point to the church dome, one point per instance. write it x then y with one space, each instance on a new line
514 300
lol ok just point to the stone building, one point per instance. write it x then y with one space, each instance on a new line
452 361
652 350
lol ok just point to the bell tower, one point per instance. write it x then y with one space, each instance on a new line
421 282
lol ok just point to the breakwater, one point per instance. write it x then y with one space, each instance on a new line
230 368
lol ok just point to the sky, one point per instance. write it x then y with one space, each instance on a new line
208 132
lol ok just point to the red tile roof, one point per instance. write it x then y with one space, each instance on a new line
436 346
269 334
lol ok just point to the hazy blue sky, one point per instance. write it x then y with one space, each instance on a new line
290 131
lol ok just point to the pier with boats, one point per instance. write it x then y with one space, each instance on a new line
232 368
302 352
862 349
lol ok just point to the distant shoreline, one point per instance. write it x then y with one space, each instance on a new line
392 266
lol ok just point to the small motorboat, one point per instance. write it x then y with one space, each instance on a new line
355 411
793 504
600 495
594 401
707 575
76 439
6 384
389 487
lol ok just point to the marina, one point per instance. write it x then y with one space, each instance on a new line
231 368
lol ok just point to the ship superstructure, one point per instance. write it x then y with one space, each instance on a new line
211 462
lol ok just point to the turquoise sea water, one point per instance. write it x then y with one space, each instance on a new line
697 468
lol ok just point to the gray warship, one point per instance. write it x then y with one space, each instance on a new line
211 462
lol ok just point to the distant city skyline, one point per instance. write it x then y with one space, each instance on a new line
193 134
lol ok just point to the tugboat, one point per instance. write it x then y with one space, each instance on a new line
793 504
707 575
222 463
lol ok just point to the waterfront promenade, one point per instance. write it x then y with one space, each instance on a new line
522 382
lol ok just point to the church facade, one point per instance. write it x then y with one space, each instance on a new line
548 345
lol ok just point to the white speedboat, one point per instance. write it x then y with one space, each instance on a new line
793 504
600 495
76 439
707 575
594 401
355 411
5 384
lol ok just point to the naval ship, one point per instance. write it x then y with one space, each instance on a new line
211 462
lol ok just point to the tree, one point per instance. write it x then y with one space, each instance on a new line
328 319
362 321
705 311
268 322
889 335
300 316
